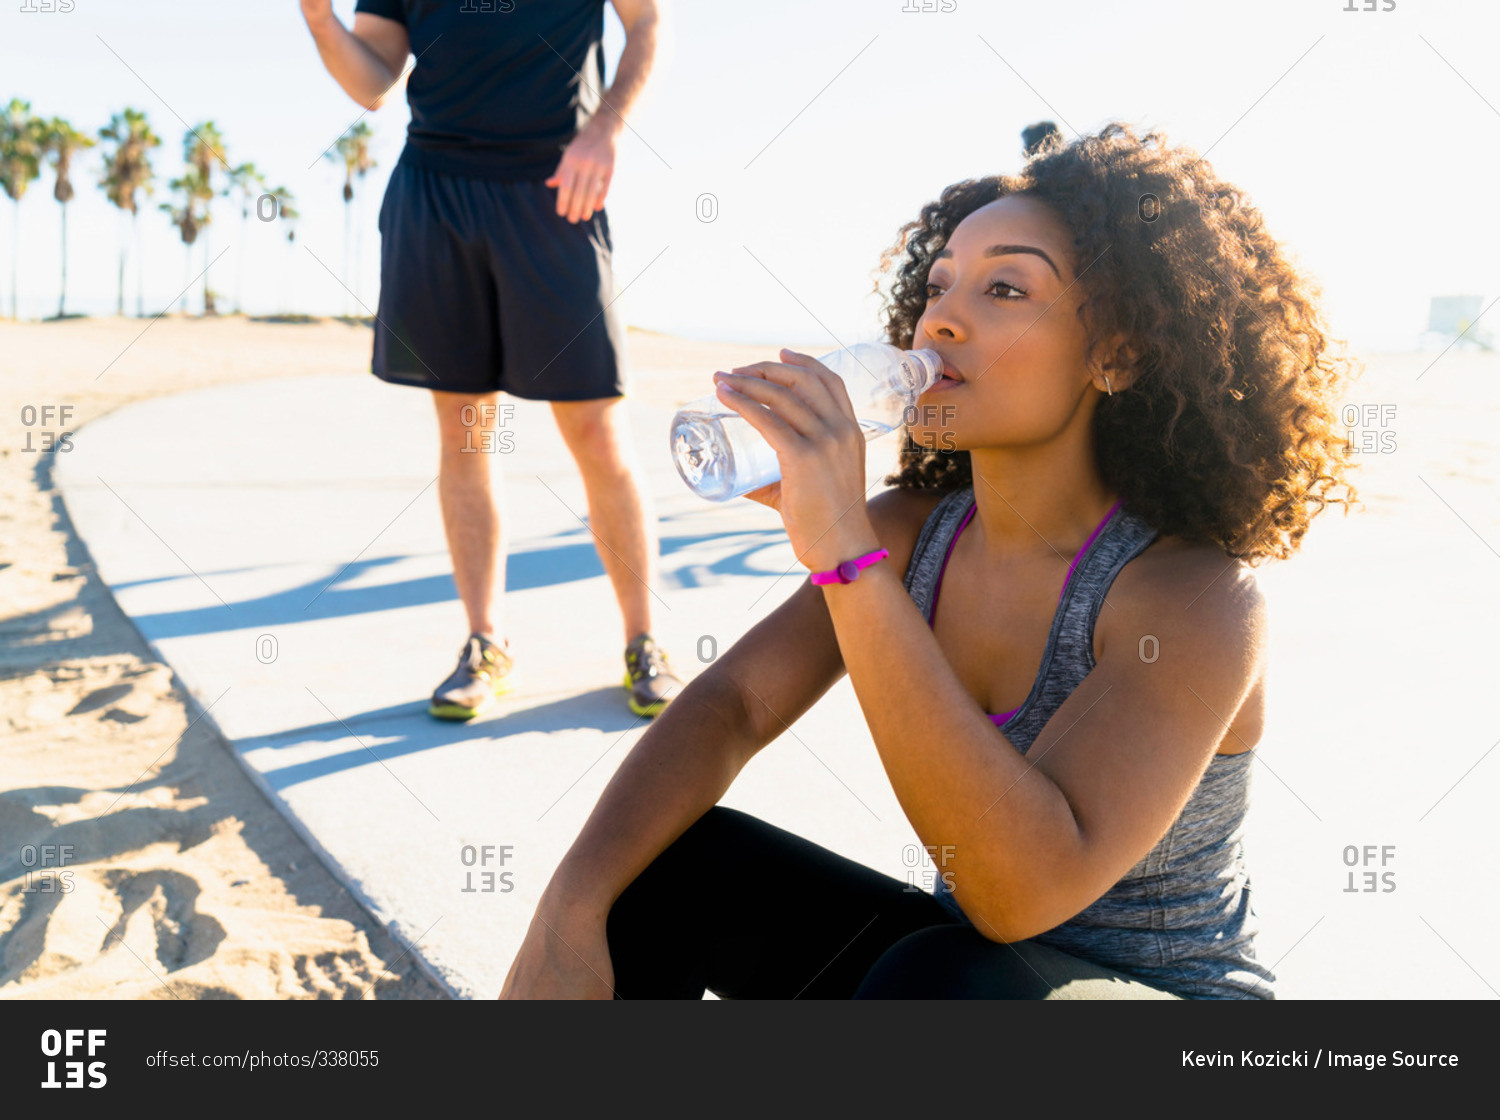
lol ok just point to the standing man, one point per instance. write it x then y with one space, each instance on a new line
495 277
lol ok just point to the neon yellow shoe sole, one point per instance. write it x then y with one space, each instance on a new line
505 684
639 708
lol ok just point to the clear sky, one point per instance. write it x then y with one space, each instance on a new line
1370 141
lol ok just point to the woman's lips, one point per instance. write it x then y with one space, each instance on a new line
949 378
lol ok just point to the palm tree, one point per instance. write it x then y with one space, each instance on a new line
286 211
203 151
60 141
21 136
353 148
187 219
249 183
127 171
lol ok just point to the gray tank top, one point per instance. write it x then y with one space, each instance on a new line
1181 918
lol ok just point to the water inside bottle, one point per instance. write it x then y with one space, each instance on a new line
716 449
720 456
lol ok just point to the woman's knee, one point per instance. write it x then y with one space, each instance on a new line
955 962
671 876
655 929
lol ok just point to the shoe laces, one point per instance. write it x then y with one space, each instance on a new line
476 661
646 660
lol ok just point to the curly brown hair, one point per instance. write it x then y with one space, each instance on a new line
1230 431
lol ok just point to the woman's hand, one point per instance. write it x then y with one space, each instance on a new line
560 961
802 410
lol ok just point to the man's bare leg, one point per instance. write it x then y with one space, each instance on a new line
620 511
468 496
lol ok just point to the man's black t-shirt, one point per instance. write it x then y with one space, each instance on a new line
499 86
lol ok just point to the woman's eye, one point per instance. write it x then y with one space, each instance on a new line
1009 291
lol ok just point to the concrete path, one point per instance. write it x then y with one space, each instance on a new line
279 544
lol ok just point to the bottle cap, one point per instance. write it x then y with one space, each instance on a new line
922 369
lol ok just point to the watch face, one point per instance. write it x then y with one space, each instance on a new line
848 571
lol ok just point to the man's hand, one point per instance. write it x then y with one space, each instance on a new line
583 174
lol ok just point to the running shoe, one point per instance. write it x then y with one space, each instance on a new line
649 679
483 673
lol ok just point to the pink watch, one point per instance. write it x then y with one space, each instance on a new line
849 570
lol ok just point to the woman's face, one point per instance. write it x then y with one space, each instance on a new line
1002 311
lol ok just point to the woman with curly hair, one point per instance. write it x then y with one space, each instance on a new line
1139 405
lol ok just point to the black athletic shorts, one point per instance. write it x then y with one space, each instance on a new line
484 287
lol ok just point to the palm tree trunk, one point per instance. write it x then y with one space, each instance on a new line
289 271
359 254
347 310
120 245
140 266
187 274
208 298
239 266
62 294
15 251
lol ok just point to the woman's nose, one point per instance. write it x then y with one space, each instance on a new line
938 323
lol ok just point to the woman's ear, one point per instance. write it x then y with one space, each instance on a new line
1119 362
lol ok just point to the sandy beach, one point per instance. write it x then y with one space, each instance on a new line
178 864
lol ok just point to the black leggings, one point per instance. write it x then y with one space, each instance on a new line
746 910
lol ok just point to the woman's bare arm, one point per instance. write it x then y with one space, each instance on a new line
694 750
681 768
1038 837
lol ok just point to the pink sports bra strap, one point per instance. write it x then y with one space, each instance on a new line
1072 564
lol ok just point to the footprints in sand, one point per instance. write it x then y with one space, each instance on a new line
152 934
166 901
160 879
136 926
99 697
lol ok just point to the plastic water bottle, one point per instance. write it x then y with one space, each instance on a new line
720 456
